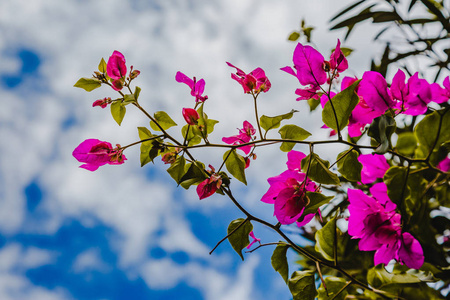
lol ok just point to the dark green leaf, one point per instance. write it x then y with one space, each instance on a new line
118 111
325 238
343 104
302 285
292 132
386 16
346 51
177 169
102 66
88 84
349 166
163 120
194 175
395 179
381 130
239 238
294 36
334 285
268 123
406 143
433 130
279 261
137 92
144 134
318 170
235 164
316 200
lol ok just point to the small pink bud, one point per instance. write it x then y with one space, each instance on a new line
191 116
102 102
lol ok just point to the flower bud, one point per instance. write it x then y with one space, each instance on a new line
191 116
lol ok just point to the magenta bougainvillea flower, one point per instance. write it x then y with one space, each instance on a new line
375 222
374 167
444 165
95 153
287 192
255 239
209 186
116 68
439 94
102 102
244 136
374 90
191 116
413 96
197 87
338 61
256 81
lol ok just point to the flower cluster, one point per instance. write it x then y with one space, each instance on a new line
287 192
95 153
375 222
254 82
245 135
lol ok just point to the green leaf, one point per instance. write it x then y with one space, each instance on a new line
379 277
313 104
194 135
381 130
102 66
318 170
268 123
346 51
127 99
325 238
302 285
194 175
88 84
406 143
118 111
144 133
395 178
343 103
292 132
163 120
334 285
210 123
433 130
146 147
279 260
239 238
316 200
235 164
294 36
349 166
177 169
137 92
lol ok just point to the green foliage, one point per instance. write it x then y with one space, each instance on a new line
268 123
102 66
406 143
349 166
433 130
238 232
381 131
137 92
302 285
334 285
118 111
163 119
343 104
194 175
316 200
318 170
235 164
292 132
192 134
178 169
279 260
395 179
88 84
325 240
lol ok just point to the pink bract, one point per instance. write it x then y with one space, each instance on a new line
209 186
374 167
373 89
116 68
95 153
191 116
338 60
255 239
197 87
256 81
244 136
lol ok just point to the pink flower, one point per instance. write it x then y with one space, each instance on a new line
256 81
338 61
374 167
413 96
95 153
209 186
116 68
197 87
191 116
373 89
439 94
287 192
255 239
244 136
375 222
444 165
102 102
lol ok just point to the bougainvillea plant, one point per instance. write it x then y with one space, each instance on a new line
377 215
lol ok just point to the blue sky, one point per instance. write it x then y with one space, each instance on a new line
125 232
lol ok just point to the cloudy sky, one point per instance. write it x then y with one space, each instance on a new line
125 232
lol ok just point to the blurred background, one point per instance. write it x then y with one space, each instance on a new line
125 232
